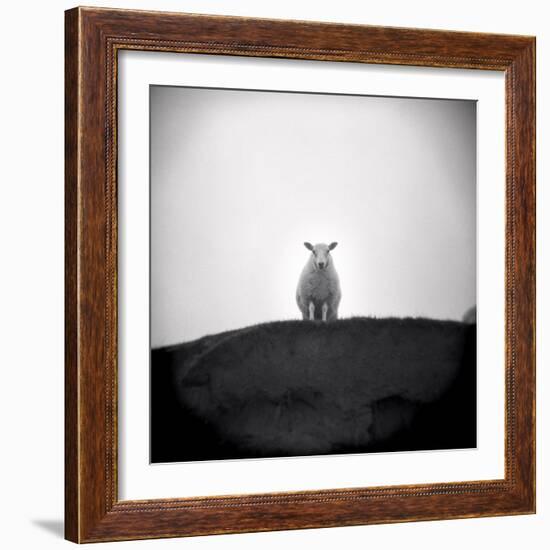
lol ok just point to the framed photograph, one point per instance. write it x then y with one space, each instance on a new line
300 275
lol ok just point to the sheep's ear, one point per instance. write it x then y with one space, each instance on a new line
332 246
309 246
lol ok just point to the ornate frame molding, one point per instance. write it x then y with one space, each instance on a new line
93 38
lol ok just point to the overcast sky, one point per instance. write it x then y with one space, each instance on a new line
240 179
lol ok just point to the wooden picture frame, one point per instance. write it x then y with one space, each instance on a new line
93 511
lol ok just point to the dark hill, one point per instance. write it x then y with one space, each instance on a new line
301 388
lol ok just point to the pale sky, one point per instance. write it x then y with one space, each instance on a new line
240 179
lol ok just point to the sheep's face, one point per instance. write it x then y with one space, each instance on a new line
321 254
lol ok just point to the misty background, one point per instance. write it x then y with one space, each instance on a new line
240 179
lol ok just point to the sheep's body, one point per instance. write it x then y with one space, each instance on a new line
318 294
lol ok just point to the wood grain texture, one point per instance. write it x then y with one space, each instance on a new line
71 271
93 38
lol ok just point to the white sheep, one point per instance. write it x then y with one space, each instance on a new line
318 294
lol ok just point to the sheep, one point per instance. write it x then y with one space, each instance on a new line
318 294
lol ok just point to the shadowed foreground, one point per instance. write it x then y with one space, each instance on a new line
301 388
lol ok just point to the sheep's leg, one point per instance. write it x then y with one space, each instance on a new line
325 310
311 311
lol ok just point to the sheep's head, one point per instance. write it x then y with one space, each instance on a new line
321 254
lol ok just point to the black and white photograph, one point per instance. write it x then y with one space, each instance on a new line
313 274
274 275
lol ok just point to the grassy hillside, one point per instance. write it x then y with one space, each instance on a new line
301 388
